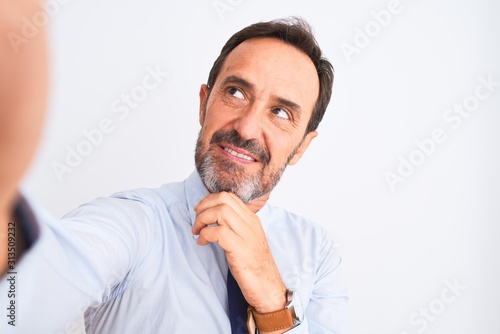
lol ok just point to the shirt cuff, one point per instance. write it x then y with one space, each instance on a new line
28 224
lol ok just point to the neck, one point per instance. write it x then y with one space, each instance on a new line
258 203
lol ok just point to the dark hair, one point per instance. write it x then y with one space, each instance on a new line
298 33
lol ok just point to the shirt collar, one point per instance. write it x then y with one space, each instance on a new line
195 191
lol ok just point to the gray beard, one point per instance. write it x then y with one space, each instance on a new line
246 187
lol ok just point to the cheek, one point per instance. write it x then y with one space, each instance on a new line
279 153
217 119
280 144
220 114
205 138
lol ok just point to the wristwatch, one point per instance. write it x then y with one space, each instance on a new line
291 316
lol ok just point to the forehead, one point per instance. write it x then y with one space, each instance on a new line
276 69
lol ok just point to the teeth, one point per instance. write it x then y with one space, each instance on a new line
239 155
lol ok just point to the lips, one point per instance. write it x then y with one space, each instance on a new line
233 144
238 154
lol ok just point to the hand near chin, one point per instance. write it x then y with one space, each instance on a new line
239 233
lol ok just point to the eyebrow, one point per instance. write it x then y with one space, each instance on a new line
290 105
240 81
250 86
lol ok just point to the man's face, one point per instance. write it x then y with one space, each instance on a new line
254 118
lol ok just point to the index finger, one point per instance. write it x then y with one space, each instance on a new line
216 199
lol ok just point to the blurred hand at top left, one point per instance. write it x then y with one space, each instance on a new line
23 93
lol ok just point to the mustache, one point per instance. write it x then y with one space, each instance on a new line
234 138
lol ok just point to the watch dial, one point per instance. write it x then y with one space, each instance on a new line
297 307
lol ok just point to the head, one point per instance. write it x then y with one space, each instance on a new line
265 97
23 91
297 33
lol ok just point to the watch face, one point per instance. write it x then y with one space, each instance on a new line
295 307
298 307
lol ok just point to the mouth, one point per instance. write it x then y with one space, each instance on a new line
238 154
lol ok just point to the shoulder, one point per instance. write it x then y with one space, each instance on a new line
280 217
282 221
156 199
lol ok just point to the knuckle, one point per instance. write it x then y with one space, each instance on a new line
206 233
225 196
223 231
225 209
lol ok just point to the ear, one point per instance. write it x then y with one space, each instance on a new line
303 147
203 102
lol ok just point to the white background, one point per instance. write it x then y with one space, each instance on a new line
399 247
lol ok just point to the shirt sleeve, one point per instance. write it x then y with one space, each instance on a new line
326 311
77 262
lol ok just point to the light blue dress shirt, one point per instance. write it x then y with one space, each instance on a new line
130 260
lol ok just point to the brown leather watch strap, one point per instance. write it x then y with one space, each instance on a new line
272 321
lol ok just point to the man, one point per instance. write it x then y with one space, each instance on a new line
192 256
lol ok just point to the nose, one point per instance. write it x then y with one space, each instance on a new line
249 124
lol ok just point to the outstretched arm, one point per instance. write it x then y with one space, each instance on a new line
23 91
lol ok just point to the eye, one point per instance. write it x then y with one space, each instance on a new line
281 113
236 93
